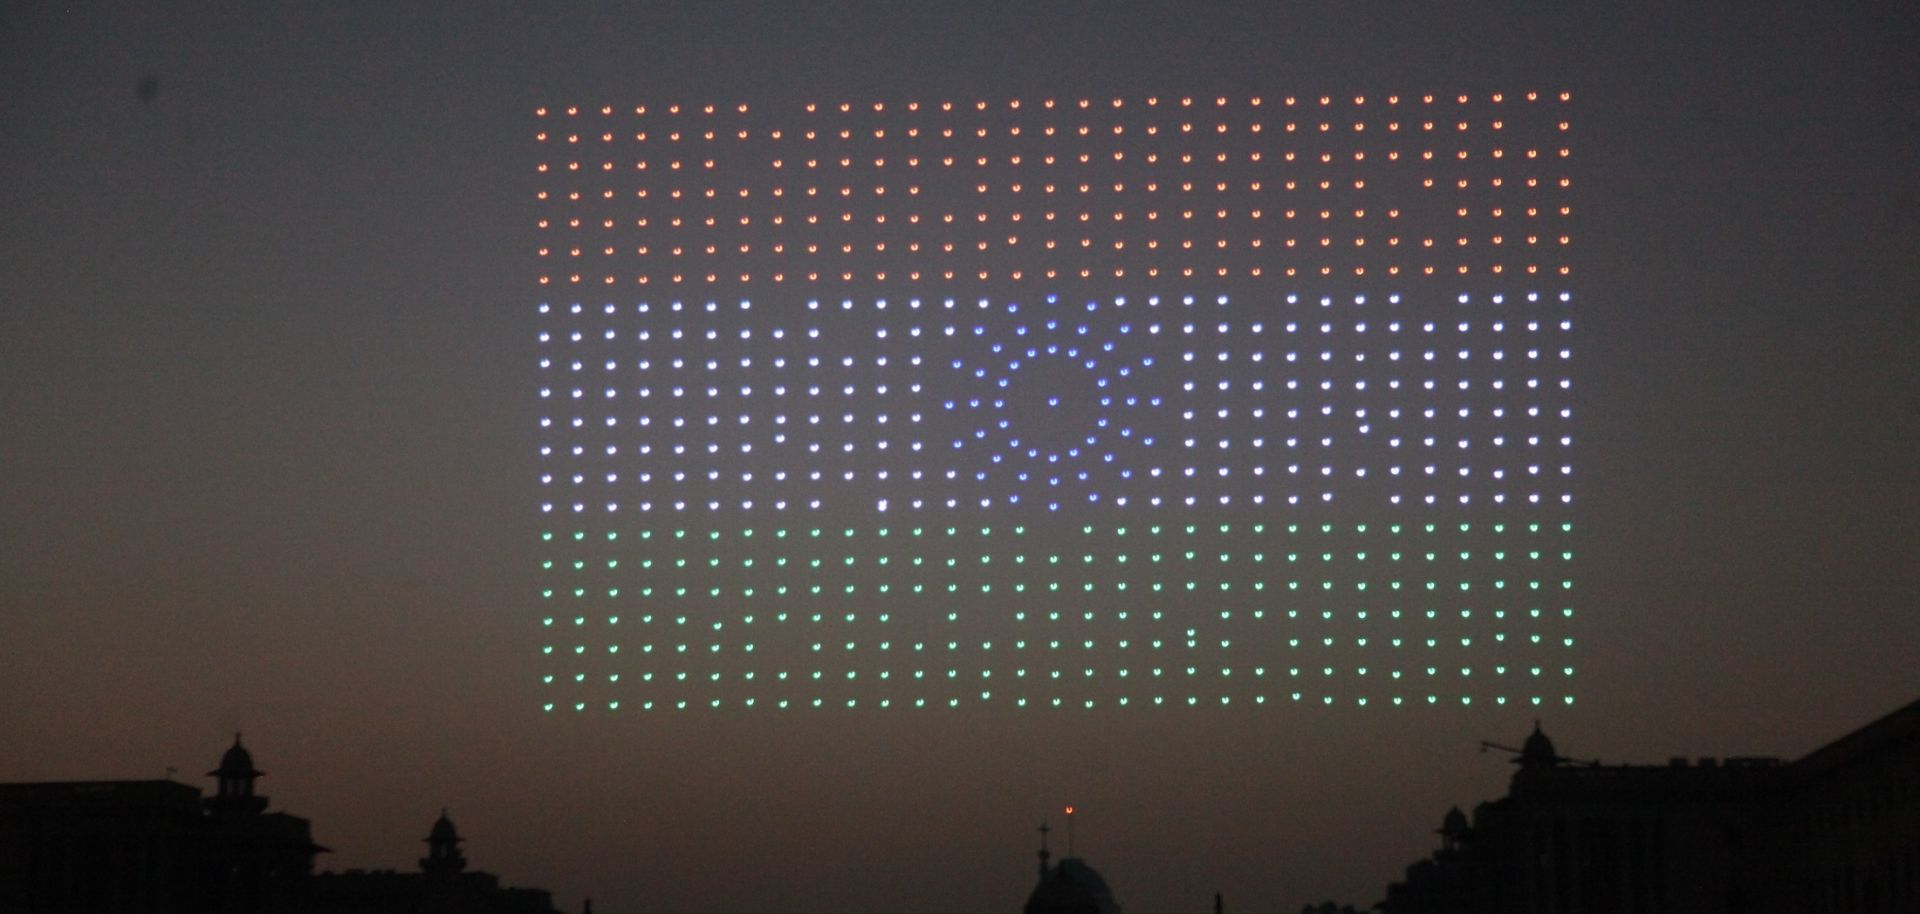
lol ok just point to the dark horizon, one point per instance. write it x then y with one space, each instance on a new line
1819 829
267 375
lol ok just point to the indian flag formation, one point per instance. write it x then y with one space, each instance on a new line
1051 403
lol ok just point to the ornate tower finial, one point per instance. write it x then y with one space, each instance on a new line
233 793
443 849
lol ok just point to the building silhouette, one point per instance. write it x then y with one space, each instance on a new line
1068 887
1836 832
442 886
160 847
150 846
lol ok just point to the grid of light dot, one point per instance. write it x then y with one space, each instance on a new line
1049 403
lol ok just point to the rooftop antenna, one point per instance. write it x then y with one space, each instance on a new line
1510 749
1069 831
1043 849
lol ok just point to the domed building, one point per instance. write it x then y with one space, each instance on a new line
443 885
1537 753
160 847
155 846
1069 887
233 784
1834 831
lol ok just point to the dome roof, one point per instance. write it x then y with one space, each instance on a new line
1071 887
443 830
1538 750
1455 823
236 763
443 849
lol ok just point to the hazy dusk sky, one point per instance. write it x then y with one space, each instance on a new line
267 437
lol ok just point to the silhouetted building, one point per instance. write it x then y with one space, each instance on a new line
1328 907
150 846
1069 887
443 849
443 886
1837 832
158 847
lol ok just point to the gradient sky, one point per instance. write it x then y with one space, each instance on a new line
267 430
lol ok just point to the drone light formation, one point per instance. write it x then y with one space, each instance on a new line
1056 403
